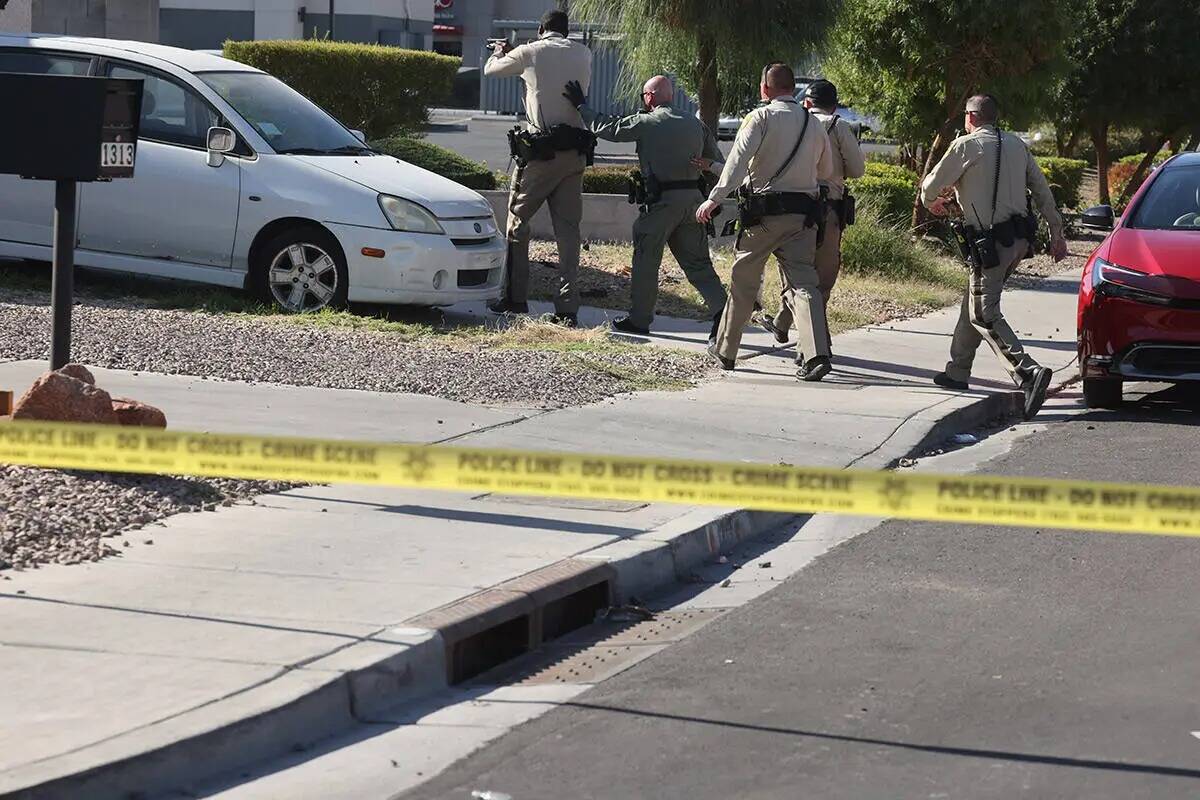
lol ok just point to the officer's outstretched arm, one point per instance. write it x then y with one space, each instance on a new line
511 63
612 129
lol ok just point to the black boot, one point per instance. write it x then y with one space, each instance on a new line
1035 387
625 325
814 369
506 306
946 382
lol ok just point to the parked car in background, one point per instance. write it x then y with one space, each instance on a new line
1139 300
241 181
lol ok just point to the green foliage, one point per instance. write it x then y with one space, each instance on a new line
888 199
1136 158
1067 175
688 38
437 159
874 247
606 180
914 63
376 89
878 169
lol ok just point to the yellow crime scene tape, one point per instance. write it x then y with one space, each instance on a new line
1027 502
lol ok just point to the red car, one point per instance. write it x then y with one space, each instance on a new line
1139 301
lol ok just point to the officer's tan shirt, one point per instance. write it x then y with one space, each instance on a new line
848 159
546 65
970 167
764 142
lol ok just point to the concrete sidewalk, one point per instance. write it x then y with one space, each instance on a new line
248 631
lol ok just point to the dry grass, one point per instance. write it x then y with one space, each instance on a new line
858 299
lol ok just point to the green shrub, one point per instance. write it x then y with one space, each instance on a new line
437 159
873 247
607 180
880 169
1136 158
890 198
884 157
377 89
1120 173
1067 174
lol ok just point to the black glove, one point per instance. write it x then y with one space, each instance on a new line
574 93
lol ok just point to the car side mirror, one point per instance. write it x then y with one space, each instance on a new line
1100 217
220 142
362 137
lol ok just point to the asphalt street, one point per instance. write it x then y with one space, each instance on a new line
918 660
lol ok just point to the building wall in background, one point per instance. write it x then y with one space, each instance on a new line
113 19
207 24
17 17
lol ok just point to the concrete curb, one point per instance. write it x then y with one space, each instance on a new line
447 127
427 653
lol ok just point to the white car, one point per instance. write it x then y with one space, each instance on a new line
241 181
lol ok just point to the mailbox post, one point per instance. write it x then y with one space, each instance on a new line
70 129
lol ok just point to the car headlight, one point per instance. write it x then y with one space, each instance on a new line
1130 284
405 215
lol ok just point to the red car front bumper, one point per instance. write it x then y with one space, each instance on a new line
1129 339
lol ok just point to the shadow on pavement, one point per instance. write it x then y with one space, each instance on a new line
994 755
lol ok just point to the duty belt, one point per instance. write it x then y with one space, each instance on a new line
753 207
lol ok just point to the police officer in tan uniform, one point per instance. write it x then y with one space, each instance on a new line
821 99
551 162
671 146
991 172
782 153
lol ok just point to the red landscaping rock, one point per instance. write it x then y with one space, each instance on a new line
135 412
79 372
57 397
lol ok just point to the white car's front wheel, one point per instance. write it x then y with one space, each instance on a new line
303 270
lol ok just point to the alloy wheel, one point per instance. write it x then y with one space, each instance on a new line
303 277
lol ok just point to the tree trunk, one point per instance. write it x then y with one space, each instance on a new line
1072 143
710 93
1135 179
1100 140
941 143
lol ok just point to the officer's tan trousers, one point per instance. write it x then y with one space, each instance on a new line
559 184
795 246
671 224
980 320
829 265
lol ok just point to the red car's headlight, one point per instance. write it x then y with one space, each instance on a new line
1115 281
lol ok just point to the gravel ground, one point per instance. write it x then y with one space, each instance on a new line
121 335
56 516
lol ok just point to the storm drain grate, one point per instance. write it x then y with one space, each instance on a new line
600 650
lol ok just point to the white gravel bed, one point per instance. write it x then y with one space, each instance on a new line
121 335
68 517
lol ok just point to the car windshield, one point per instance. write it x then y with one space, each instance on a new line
1172 201
289 121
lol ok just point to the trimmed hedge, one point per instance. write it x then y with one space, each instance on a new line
1065 175
880 169
607 180
377 89
890 198
437 159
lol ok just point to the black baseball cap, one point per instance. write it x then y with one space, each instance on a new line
822 93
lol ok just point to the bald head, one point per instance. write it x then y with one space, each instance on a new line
777 80
658 91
